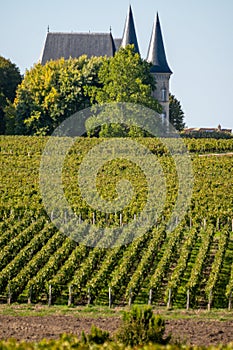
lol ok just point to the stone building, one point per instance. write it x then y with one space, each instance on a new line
67 45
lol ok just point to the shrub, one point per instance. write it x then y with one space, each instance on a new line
141 326
96 336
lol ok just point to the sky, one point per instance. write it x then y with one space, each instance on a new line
197 34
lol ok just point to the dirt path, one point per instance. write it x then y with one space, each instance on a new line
188 331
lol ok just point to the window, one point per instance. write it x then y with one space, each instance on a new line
164 93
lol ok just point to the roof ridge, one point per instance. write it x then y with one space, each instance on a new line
88 33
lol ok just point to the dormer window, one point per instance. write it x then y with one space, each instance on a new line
164 94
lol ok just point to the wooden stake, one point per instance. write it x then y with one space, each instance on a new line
188 299
210 300
30 296
169 298
50 295
70 296
230 300
204 223
88 296
9 295
120 219
130 297
109 297
190 222
150 297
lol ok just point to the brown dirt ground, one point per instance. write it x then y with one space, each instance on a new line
188 331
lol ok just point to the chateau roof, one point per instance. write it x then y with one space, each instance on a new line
156 53
117 43
129 34
67 45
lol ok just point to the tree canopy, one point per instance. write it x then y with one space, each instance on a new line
124 78
176 115
52 92
9 79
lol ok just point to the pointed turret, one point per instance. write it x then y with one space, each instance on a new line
129 35
156 53
160 69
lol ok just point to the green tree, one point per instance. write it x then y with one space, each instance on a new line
124 78
176 115
9 79
52 92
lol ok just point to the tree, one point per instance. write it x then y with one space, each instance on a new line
9 79
176 115
52 92
124 77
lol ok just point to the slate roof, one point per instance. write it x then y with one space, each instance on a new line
156 53
74 45
117 43
129 34
67 45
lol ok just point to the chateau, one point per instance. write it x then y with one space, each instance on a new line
67 45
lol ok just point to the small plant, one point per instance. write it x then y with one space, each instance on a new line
141 326
96 336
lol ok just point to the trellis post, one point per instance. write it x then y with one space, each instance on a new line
30 295
120 219
230 302
169 298
210 300
9 295
88 296
50 295
188 299
70 296
109 297
150 297
130 297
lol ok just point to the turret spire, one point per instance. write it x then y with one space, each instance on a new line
156 53
129 35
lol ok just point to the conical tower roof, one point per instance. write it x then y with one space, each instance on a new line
129 35
156 53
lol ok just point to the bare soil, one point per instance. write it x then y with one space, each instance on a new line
35 328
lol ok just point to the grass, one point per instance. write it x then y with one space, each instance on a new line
95 311
213 315
56 310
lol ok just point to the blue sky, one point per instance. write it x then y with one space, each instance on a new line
198 38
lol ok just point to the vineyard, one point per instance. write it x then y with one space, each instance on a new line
190 267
